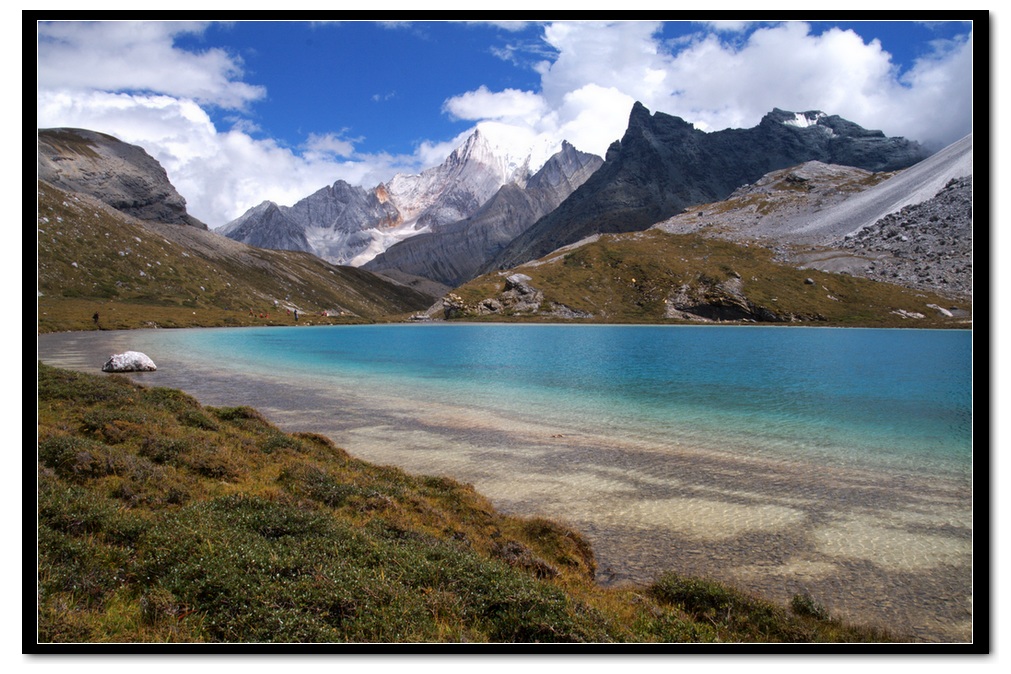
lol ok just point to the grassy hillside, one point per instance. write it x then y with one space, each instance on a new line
654 276
134 273
160 520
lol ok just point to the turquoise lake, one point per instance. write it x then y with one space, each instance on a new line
833 461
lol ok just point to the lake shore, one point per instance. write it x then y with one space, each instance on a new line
892 551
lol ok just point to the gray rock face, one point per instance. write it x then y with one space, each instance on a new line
458 187
267 226
332 223
912 228
345 224
454 254
516 298
121 175
914 185
663 164
343 208
779 204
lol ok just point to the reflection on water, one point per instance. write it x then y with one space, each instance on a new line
888 547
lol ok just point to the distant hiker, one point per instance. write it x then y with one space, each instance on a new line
296 315
95 318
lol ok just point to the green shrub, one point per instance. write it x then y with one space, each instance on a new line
242 413
737 614
158 605
213 462
73 457
114 425
57 384
137 543
803 604
320 486
197 419
276 441
161 449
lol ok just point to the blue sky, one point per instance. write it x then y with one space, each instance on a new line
245 111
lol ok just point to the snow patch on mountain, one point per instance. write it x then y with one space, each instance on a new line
805 119
382 239
518 149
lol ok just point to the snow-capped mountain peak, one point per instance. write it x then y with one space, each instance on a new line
517 149
491 156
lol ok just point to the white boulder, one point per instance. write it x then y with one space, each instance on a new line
129 361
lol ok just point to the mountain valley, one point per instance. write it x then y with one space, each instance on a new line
885 239
97 260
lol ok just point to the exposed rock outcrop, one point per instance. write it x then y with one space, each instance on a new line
121 175
912 227
710 300
517 298
334 223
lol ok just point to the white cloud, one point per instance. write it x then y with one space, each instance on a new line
128 79
508 105
511 26
592 117
728 26
939 82
785 66
722 78
221 174
139 56
325 144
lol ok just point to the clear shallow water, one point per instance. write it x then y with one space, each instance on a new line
845 394
836 461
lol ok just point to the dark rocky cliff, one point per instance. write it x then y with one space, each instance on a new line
663 164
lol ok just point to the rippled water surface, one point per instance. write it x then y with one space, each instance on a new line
832 461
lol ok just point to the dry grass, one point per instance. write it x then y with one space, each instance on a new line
135 274
635 278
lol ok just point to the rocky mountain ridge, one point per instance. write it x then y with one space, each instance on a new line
119 174
663 164
842 219
653 276
790 247
454 254
95 258
346 224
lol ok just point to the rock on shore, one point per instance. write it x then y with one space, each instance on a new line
129 361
